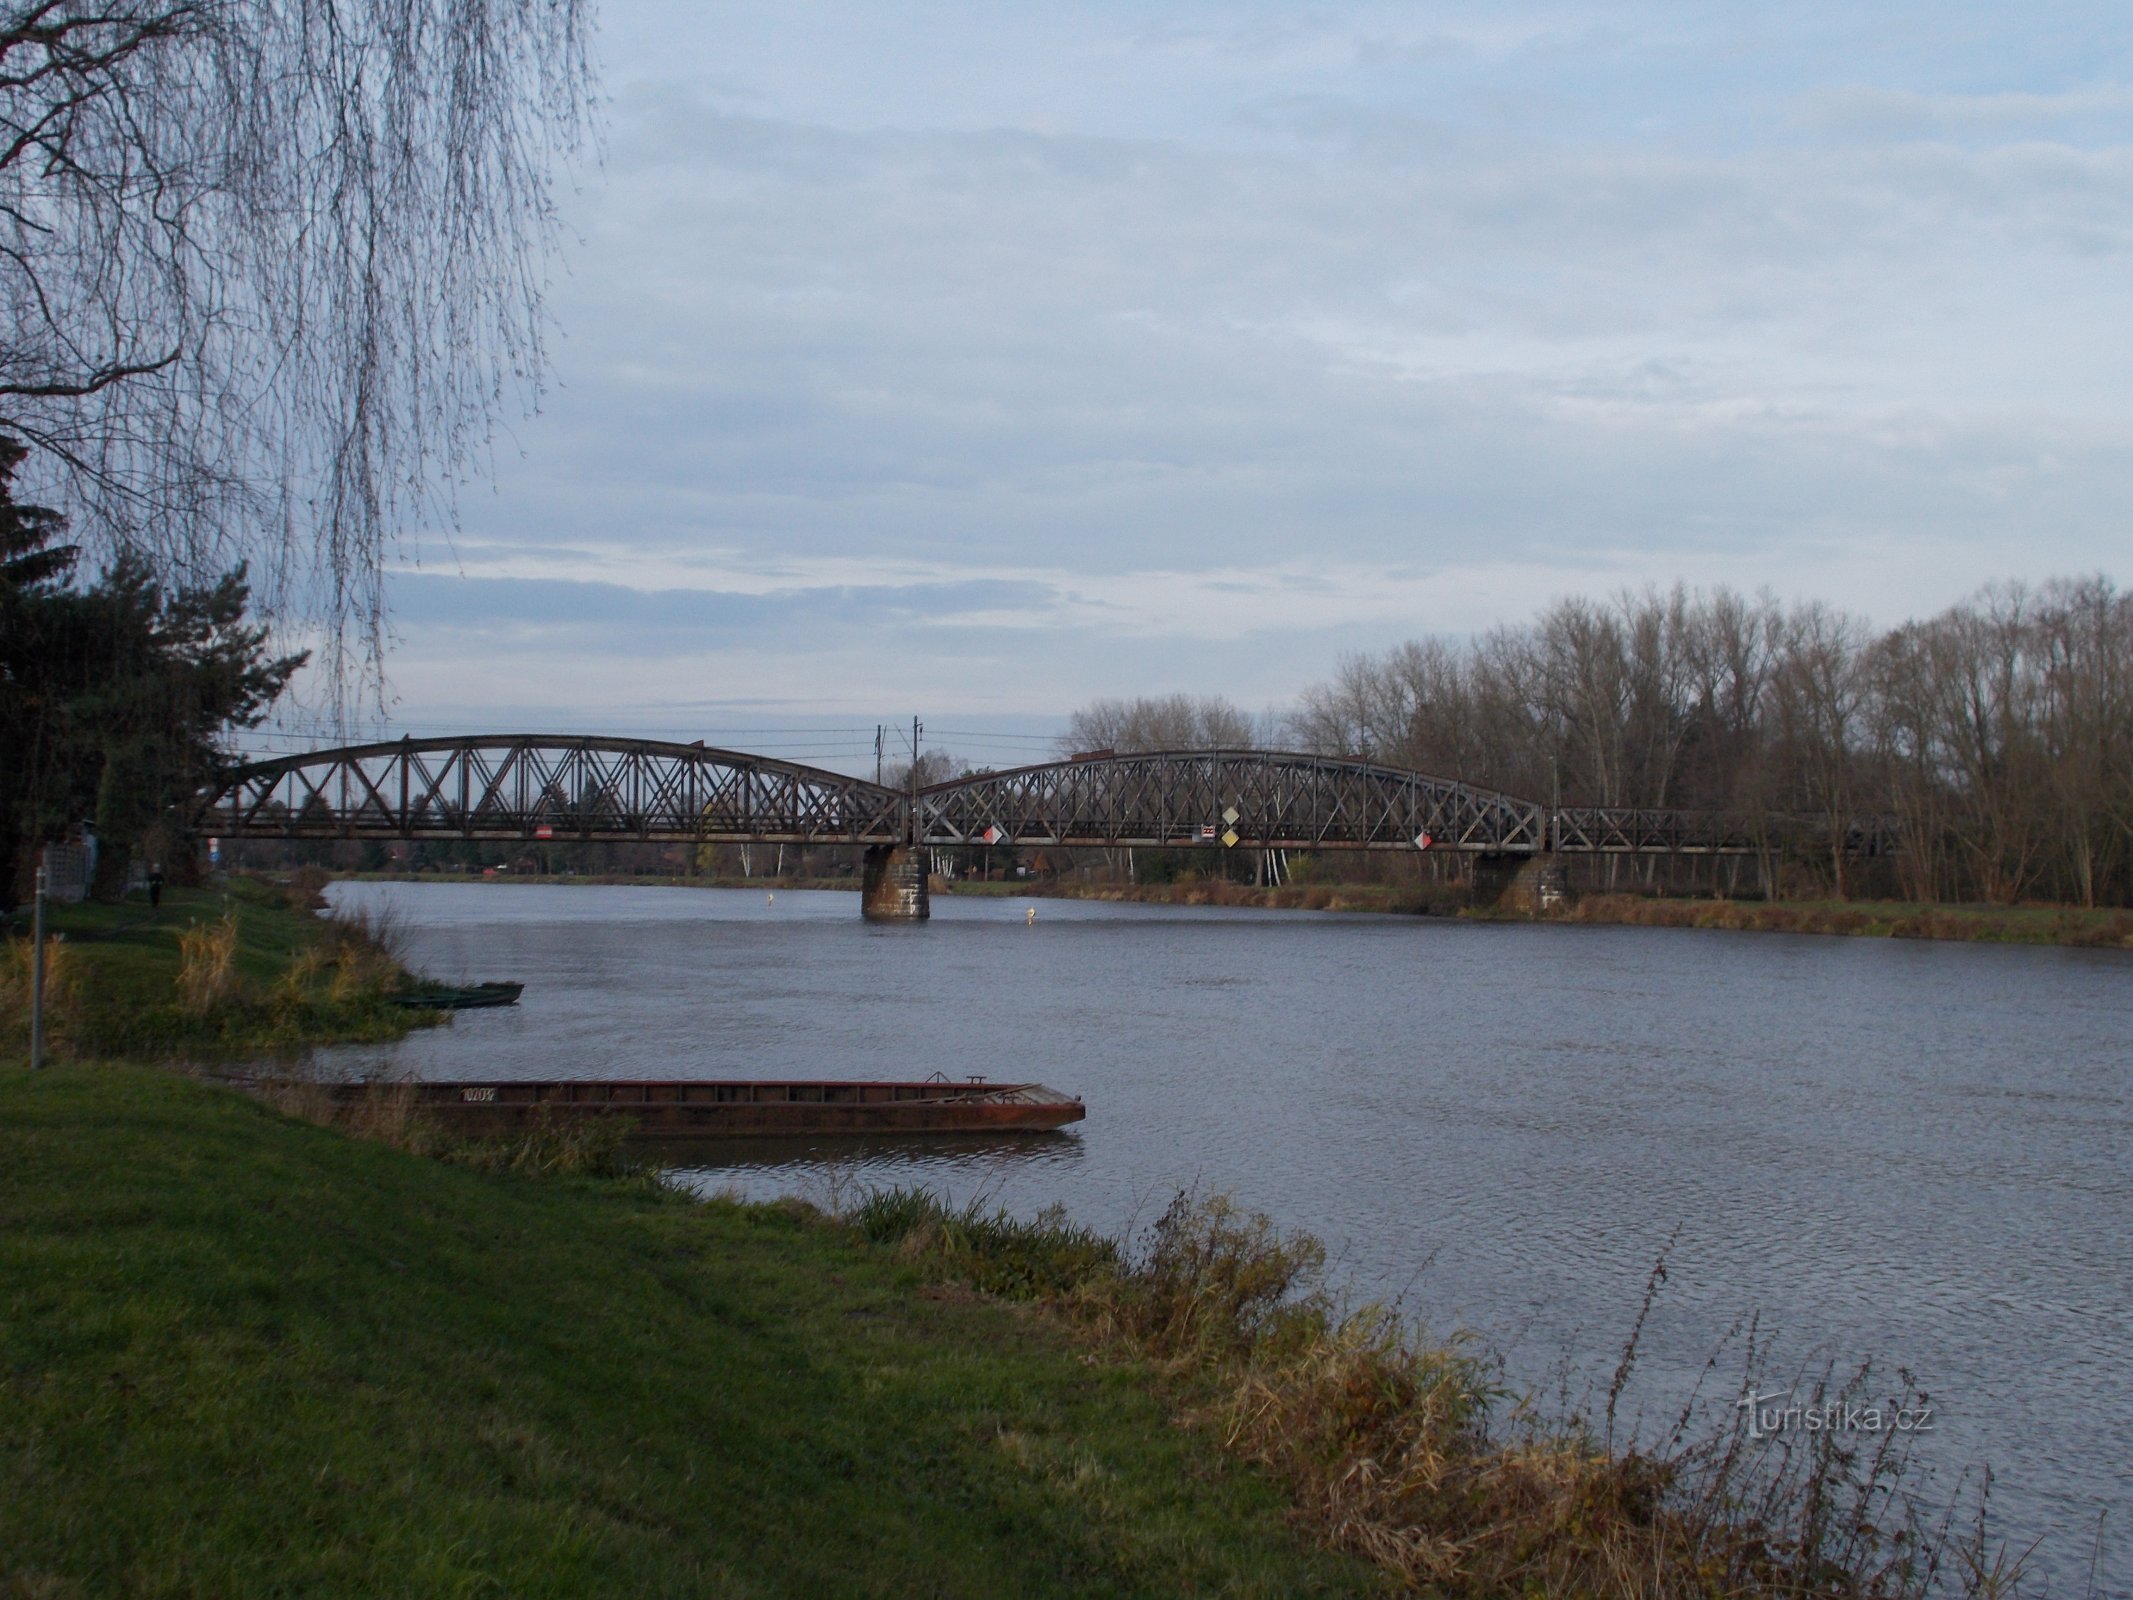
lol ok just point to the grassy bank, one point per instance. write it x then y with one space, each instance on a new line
241 969
1882 919
2106 929
243 1355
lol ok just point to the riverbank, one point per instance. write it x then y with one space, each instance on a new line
242 1354
240 969
2104 928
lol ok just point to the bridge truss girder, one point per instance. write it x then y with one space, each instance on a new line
1635 830
549 786
587 787
1186 797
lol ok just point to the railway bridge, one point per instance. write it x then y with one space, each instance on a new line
573 787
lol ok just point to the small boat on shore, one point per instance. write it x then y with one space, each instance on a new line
725 1109
466 997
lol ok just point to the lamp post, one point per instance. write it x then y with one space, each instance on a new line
37 969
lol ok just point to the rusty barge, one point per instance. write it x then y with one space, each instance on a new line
726 1109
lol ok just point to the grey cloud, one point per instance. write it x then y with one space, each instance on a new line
1383 331
1867 111
622 613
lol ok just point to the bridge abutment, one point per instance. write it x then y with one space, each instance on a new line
893 886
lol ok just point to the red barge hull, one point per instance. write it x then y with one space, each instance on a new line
724 1109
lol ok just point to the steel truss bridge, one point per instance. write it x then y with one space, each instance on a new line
568 787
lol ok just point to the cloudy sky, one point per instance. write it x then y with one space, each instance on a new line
977 361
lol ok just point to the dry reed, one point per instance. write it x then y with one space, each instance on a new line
207 956
63 991
1400 1448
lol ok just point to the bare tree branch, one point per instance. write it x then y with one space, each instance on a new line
272 270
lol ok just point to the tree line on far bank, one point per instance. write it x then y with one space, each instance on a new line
1994 740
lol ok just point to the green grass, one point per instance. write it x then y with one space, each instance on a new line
123 963
242 1355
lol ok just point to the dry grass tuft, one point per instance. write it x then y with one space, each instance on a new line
207 953
364 948
305 889
390 1113
63 991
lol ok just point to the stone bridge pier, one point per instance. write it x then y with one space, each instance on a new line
1533 884
893 885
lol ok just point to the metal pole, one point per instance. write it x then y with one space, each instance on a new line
37 971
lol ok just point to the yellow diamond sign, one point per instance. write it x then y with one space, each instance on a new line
1230 838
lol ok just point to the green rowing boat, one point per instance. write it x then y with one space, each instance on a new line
438 997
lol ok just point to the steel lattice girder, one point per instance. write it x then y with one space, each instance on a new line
563 786
1633 830
1183 797
566 786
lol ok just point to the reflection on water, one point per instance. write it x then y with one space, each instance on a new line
1892 1149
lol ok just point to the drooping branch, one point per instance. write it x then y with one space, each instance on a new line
272 270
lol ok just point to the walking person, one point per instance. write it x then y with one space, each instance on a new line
155 887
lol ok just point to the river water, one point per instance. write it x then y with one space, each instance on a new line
1918 1154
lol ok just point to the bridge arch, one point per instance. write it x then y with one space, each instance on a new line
1260 799
547 786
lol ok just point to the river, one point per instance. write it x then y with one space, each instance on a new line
1919 1154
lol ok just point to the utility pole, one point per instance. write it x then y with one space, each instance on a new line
878 732
37 967
911 793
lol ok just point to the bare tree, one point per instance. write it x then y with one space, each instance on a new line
271 269
1819 692
1994 741
1168 722
2084 633
1578 671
